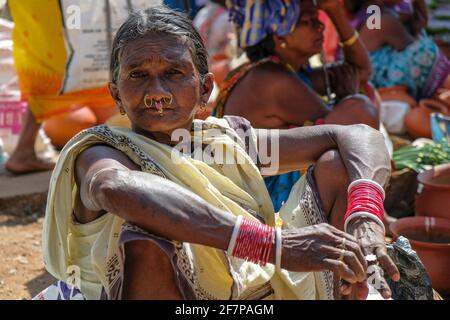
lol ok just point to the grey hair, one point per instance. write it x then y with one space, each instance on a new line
163 20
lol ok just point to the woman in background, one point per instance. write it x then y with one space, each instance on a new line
401 54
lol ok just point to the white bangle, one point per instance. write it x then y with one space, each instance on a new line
374 183
278 244
366 215
234 235
92 205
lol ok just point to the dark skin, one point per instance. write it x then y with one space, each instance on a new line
416 21
393 32
173 212
282 100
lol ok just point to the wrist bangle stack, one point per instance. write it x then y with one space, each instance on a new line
251 241
365 199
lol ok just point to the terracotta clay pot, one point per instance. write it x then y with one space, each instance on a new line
61 128
433 192
417 121
430 238
398 93
103 114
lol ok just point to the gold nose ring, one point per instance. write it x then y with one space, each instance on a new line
146 97
165 100
168 100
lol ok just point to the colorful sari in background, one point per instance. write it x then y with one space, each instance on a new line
40 57
421 66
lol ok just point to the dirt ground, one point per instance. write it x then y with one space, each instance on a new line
22 273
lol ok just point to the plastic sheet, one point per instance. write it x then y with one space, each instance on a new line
414 284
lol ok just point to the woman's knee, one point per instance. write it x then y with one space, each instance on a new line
331 168
356 109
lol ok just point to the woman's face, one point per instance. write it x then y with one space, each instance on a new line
159 66
307 37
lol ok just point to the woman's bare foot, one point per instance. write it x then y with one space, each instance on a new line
24 159
21 163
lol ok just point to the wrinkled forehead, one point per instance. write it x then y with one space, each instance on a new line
155 48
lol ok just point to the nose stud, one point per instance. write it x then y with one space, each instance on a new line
159 107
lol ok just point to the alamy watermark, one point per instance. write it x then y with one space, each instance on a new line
73 20
374 19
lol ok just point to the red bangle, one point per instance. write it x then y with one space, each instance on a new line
254 242
365 196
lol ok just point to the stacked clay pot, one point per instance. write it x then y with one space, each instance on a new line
417 121
433 193
398 93
62 127
103 114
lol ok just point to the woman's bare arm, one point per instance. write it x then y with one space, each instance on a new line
110 182
392 32
355 55
362 149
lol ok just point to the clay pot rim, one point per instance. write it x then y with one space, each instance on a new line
427 175
396 94
412 221
397 88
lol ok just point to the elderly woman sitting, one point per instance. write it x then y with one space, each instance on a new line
142 220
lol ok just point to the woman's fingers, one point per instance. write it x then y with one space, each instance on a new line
352 244
347 236
351 260
341 269
362 290
387 263
346 288
358 290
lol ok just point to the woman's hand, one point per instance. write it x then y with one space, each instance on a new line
370 236
344 79
321 247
